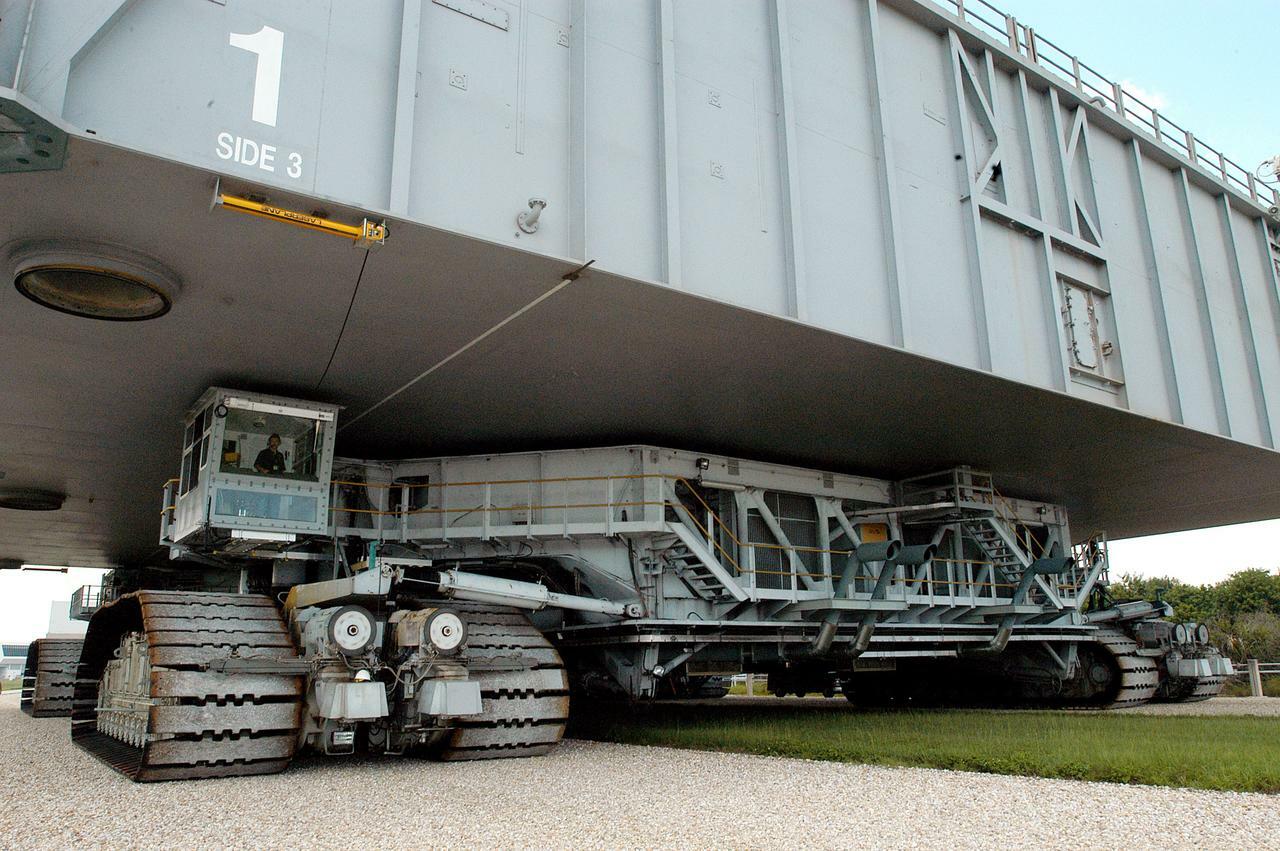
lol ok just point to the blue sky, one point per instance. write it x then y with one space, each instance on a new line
1214 62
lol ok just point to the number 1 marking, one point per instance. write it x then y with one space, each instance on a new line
268 44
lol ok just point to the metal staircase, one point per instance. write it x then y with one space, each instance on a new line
695 574
998 544
693 557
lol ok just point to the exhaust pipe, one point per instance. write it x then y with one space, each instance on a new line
997 644
892 553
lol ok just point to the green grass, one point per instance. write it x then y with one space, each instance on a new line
8 685
1227 753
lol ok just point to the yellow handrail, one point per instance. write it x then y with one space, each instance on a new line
716 522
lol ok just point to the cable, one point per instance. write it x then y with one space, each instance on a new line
568 279
345 319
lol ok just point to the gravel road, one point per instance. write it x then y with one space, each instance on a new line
1258 706
596 796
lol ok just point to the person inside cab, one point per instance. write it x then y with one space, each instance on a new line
270 461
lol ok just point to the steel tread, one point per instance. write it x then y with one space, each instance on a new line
230 718
210 610
155 774
202 685
208 751
509 709
48 680
1139 675
211 624
528 681
512 751
206 598
174 656
541 657
210 724
490 736
525 710
206 638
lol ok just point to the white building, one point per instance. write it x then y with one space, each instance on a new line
60 623
13 656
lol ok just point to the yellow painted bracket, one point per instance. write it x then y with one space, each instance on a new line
365 235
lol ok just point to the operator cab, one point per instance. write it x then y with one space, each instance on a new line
254 468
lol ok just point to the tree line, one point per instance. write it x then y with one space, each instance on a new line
1242 611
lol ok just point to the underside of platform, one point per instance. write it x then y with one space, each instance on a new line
93 409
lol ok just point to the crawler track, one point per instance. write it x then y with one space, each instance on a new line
1188 690
197 723
48 681
1139 675
523 686
1205 688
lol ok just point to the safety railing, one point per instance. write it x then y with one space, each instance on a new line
1108 94
716 526
1090 563
961 486
1253 671
598 509
1031 547
972 490
87 599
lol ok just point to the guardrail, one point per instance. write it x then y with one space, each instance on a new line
87 599
1108 94
1255 671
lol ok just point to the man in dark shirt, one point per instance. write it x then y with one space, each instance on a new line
271 459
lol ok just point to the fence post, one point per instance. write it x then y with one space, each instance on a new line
1255 678
751 685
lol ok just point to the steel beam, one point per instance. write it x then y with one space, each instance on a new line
1246 321
798 568
969 204
406 102
1157 278
882 131
669 161
789 166
522 74
1056 332
1271 272
578 131
1067 200
1202 298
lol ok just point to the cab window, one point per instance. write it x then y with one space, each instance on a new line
247 445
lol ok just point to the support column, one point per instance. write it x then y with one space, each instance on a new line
1206 315
1246 321
406 101
969 205
578 131
669 165
889 217
788 167
1157 283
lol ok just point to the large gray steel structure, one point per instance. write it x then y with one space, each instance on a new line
875 237
807 249
342 605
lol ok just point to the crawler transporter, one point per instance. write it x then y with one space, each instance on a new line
449 606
